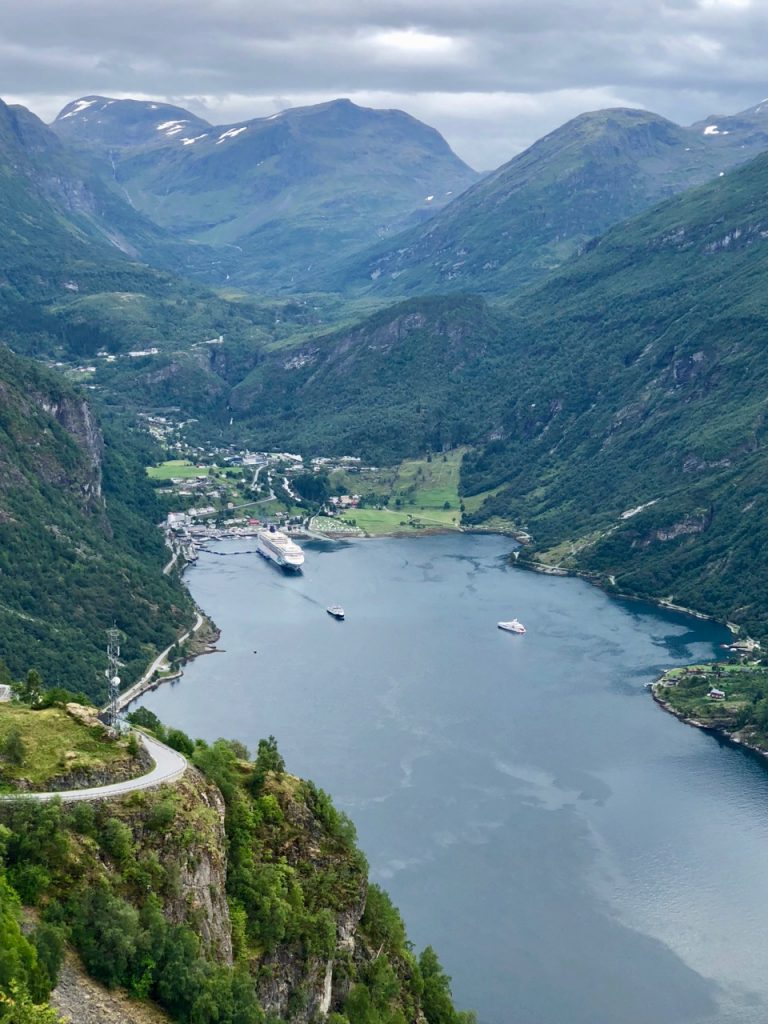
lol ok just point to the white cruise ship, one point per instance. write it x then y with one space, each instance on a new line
278 548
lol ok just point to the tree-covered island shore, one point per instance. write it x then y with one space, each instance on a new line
725 698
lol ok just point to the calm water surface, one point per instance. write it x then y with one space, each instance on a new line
575 855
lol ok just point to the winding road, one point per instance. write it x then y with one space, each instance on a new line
170 765
130 695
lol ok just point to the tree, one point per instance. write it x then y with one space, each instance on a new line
147 720
18 1008
105 930
13 748
133 746
48 940
180 741
268 759
29 690
436 999
117 839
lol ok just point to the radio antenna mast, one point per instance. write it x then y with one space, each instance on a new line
113 662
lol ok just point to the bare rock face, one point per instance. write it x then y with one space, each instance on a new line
691 524
82 1000
75 417
202 898
87 715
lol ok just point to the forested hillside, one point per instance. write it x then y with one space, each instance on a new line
640 381
79 549
416 376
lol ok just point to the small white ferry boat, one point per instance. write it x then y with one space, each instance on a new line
336 611
513 626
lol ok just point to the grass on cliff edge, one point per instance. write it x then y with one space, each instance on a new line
54 743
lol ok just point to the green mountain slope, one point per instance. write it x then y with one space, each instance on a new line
68 289
79 549
235 895
640 380
280 194
532 213
55 201
64 241
412 377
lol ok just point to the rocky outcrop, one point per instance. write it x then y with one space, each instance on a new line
202 873
190 844
290 987
691 524
75 416
82 1000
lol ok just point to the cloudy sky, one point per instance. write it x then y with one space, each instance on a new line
492 76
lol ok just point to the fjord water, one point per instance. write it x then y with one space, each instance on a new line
575 855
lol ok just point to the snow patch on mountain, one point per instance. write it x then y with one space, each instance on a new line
231 134
78 108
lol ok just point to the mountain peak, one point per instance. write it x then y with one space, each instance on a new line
101 121
80 106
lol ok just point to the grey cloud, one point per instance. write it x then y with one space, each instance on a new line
683 58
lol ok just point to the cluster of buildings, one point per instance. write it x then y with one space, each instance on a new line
342 502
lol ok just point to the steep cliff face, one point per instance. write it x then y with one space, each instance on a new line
183 827
291 984
75 416
79 550
47 435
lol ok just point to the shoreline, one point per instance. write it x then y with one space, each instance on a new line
146 684
608 586
718 732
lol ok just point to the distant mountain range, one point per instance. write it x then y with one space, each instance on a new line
341 198
281 194
526 218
